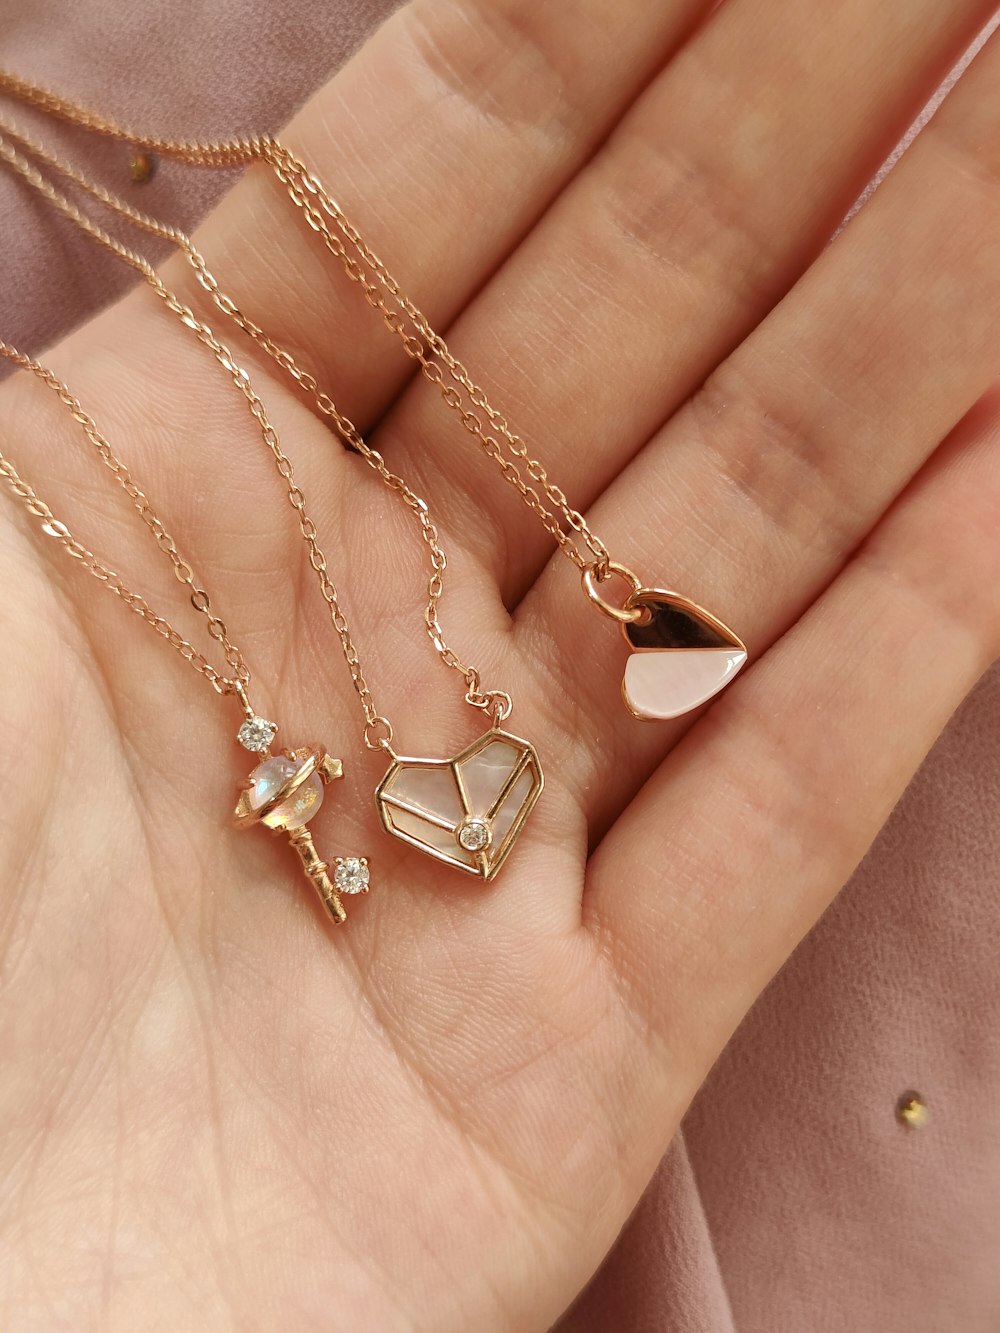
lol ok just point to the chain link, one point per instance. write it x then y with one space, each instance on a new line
422 344
574 536
54 527
226 153
241 379
353 439
475 695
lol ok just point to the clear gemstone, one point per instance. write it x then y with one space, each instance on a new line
351 875
474 835
256 734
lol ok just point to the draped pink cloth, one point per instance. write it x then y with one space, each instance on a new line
793 1200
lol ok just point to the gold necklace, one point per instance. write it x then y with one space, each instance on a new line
680 655
466 811
285 790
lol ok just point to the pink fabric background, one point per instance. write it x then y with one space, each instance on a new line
793 1201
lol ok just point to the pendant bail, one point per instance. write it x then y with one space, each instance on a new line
375 741
499 707
240 690
591 576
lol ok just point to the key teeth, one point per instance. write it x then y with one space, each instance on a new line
316 869
334 906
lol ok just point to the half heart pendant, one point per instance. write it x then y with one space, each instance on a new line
466 811
680 655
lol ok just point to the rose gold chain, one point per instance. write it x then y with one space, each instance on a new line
420 342
459 391
497 702
231 153
53 527
378 730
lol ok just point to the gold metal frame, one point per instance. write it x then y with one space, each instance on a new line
628 627
492 857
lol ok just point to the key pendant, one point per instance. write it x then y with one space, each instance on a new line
681 655
283 793
467 811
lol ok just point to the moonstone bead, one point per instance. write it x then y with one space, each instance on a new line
269 777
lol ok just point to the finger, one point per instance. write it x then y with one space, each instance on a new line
764 809
251 557
502 100
713 194
764 483
475 110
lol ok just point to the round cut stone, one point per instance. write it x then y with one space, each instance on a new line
474 835
256 734
296 810
351 875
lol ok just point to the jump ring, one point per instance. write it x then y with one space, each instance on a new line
591 578
501 705
376 742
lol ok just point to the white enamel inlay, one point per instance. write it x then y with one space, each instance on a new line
671 682
504 818
429 835
430 789
486 772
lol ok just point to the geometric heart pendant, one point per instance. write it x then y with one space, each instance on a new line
681 656
466 811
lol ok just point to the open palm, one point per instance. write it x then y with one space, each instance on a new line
222 1112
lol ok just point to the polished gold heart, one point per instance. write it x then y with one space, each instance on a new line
681 655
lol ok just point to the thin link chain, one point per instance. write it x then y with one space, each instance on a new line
53 527
420 342
576 539
378 730
226 153
496 701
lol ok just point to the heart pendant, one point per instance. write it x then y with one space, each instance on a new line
681 656
466 811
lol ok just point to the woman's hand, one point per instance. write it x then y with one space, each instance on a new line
220 1113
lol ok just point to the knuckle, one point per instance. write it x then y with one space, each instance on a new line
778 465
685 217
503 61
